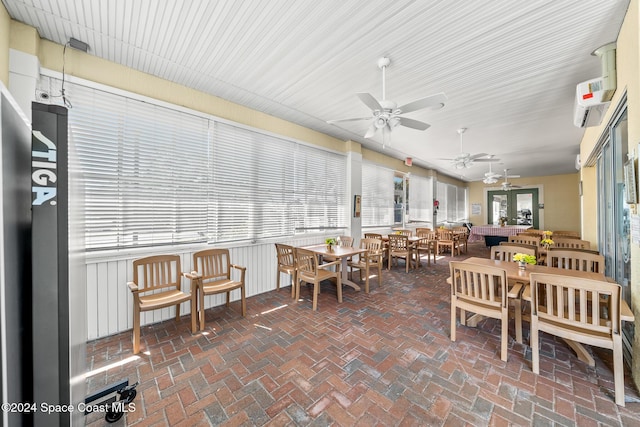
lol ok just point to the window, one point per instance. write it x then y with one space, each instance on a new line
377 196
420 199
453 203
155 175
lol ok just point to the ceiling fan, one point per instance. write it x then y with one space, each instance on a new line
491 177
506 185
386 115
466 160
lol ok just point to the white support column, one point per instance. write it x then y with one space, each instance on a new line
354 185
24 73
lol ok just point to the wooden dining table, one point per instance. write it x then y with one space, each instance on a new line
516 274
342 253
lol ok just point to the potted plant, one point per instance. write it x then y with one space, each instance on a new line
546 242
524 259
330 241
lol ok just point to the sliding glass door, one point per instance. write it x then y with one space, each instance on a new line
614 214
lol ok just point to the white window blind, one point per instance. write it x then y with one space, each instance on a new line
320 199
461 212
420 199
154 175
453 202
143 168
377 196
252 185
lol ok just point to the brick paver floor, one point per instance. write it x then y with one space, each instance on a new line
377 359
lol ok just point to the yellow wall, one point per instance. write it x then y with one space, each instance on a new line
5 26
561 200
628 70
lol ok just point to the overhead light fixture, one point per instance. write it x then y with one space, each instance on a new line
380 122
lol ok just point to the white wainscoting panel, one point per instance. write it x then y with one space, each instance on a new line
110 303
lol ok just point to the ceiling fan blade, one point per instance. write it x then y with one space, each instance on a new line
477 156
349 120
414 124
369 101
371 131
434 102
487 161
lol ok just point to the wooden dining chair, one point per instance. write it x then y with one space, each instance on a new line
564 233
403 231
427 245
423 230
373 236
524 246
505 252
569 242
482 290
447 240
534 231
311 271
575 260
212 275
346 241
581 310
462 233
399 247
527 239
368 260
157 283
286 264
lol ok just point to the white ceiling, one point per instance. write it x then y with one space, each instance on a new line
509 69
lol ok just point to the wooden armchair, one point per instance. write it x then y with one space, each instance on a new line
157 284
505 252
403 231
212 275
579 310
399 247
311 271
482 290
571 243
527 239
462 233
344 241
447 239
428 244
569 234
423 230
524 246
534 231
286 265
369 259
575 260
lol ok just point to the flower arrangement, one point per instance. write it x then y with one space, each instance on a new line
503 220
330 241
524 258
546 234
546 242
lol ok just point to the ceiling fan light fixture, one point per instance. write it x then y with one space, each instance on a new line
394 122
380 122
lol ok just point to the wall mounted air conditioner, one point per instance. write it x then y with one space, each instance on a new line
590 104
593 96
